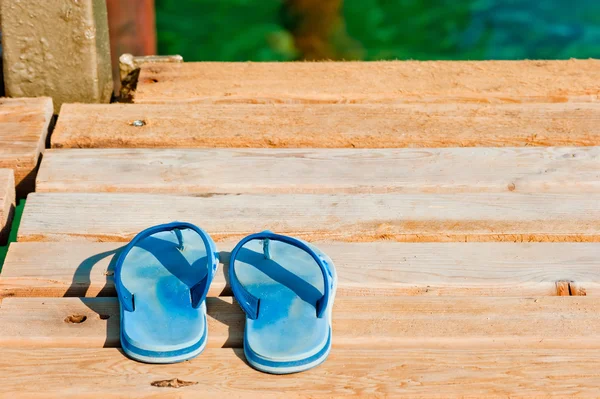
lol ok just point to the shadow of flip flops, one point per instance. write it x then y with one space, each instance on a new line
90 293
103 309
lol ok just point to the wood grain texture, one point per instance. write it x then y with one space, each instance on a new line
56 269
358 322
7 202
375 82
23 129
330 171
511 217
219 373
446 124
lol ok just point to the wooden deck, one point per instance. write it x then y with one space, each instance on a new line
459 201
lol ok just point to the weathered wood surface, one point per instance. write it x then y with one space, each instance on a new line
216 373
23 129
359 322
511 217
375 82
56 269
7 202
446 124
323 171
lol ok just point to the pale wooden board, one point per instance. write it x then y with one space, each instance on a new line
23 129
345 217
448 124
362 322
219 373
49 269
362 82
7 202
327 171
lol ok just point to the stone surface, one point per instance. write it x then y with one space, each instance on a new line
56 48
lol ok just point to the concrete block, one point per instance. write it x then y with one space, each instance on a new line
56 48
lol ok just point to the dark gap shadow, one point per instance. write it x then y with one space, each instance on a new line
51 127
81 284
27 184
12 231
2 91
230 314
5 232
224 257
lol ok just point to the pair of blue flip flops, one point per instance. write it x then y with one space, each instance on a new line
285 286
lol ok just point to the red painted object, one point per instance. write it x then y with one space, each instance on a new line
132 29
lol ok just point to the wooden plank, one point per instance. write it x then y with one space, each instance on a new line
23 129
331 171
7 202
375 82
219 373
49 269
511 217
322 125
361 322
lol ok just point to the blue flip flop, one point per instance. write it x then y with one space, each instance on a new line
162 278
286 287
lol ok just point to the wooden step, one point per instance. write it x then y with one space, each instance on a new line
361 322
56 269
329 171
7 202
23 129
218 373
511 217
447 124
375 82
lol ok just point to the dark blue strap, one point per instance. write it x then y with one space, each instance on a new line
199 291
249 303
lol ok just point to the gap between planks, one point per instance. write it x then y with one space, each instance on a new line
370 82
513 217
360 322
7 202
321 171
219 373
447 124
76 269
23 129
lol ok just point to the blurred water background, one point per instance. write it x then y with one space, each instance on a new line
262 30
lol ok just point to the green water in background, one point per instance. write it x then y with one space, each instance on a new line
241 30
13 231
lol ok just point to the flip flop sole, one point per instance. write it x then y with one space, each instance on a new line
158 271
287 337
283 367
161 357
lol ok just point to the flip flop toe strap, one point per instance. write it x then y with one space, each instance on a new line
249 303
198 291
